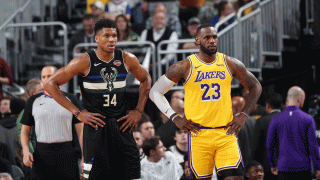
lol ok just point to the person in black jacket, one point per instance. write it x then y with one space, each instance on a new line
273 105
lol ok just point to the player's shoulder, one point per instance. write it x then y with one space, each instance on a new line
127 55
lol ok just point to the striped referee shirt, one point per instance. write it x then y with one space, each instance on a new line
53 123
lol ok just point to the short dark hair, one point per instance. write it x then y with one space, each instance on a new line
252 164
104 23
203 26
275 100
87 16
149 144
144 118
17 105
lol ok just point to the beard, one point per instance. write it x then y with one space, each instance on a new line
207 51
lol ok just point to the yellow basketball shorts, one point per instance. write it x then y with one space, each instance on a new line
212 147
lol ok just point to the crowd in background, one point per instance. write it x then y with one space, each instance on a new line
158 140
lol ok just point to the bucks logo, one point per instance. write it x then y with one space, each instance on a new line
109 78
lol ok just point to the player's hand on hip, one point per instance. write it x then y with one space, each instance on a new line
235 125
187 125
131 118
91 119
28 159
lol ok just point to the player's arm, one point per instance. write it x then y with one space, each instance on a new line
78 66
132 64
250 82
178 71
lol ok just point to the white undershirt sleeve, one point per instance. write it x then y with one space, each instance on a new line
162 86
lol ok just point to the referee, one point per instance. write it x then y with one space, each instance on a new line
54 156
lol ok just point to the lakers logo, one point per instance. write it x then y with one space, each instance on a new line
109 78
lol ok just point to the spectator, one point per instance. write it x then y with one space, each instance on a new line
89 2
158 33
291 140
158 164
85 35
5 75
180 149
176 95
146 128
224 8
173 21
117 7
8 127
186 172
254 171
124 31
193 24
5 107
258 110
139 140
246 134
241 3
5 176
188 9
273 105
166 131
97 10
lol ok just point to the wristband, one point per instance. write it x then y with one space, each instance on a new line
174 116
241 113
77 113
138 110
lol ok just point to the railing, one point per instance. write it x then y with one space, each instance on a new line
22 57
291 18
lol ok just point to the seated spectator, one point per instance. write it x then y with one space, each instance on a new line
5 75
89 2
124 31
167 130
97 9
85 35
224 8
5 176
188 9
5 107
146 127
193 24
158 33
176 95
254 171
139 140
180 149
173 21
186 170
158 164
241 3
117 7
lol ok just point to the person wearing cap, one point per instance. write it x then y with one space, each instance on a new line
97 9
193 24
117 7
89 2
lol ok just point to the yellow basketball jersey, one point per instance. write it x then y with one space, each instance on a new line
208 92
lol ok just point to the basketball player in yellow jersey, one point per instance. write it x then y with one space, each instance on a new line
211 126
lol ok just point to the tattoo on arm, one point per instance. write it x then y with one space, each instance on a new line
176 71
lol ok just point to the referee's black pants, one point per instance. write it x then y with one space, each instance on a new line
55 161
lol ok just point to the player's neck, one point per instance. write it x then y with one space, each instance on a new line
207 58
104 56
